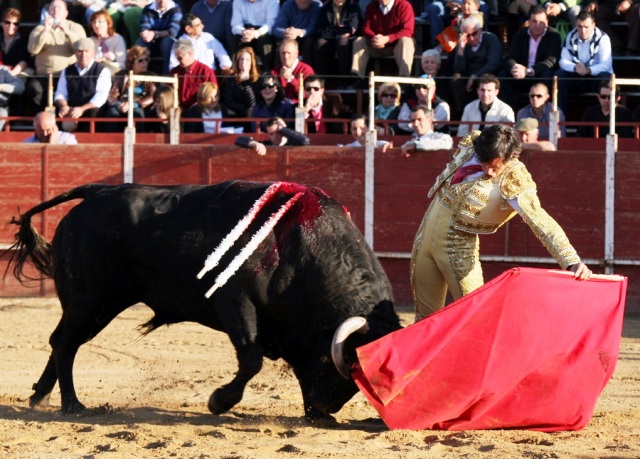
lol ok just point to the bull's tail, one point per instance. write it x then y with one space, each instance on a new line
30 245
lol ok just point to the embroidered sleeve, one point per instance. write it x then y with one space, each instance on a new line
547 230
517 184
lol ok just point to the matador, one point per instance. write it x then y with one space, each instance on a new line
483 187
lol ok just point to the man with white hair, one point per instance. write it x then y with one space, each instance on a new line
478 52
191 73
83 87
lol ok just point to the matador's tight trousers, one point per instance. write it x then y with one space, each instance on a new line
442 257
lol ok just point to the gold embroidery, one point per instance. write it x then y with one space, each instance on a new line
516 180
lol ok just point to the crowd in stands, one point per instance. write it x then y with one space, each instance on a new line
241 60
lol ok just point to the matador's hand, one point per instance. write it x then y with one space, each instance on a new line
580 271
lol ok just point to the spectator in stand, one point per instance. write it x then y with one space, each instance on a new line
159 27
8 4
487 108
607 11
387 31
585 59
163 100
539 109
126 16
601 113
358 129
14 55
90 8
208 108
424 137
424 93
52 45
191 73
533 55
431 63
83 87
566 10
441 14
388 107
270 101
239 92
477 53
118 105
528 130
9 85
216 17
46 131
338 25
207 48
290 69
320 107
279 136
252 25
111 49
297 20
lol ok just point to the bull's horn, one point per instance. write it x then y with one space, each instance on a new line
346 328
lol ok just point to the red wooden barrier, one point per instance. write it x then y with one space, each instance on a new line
571 187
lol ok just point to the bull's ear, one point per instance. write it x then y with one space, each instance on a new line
346 328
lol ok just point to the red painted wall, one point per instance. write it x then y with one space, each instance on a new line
570 183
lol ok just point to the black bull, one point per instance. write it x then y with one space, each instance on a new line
130 243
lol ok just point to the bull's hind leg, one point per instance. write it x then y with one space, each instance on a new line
44 386
72 331
242 330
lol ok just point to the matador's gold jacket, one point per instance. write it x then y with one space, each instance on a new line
482 206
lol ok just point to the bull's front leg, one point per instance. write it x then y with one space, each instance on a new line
249 364
240 322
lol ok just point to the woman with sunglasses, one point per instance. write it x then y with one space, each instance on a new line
270 102
15 55
118 104
111 49
388 107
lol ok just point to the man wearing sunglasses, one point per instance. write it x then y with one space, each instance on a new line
320 106
540 108
478 52
601 113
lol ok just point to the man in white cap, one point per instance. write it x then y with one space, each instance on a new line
83 87
528 130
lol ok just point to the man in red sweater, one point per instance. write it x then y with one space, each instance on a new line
388 30
290 69
191 73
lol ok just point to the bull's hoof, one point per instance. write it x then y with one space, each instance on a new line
39 402
315 416
72 408
223 399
